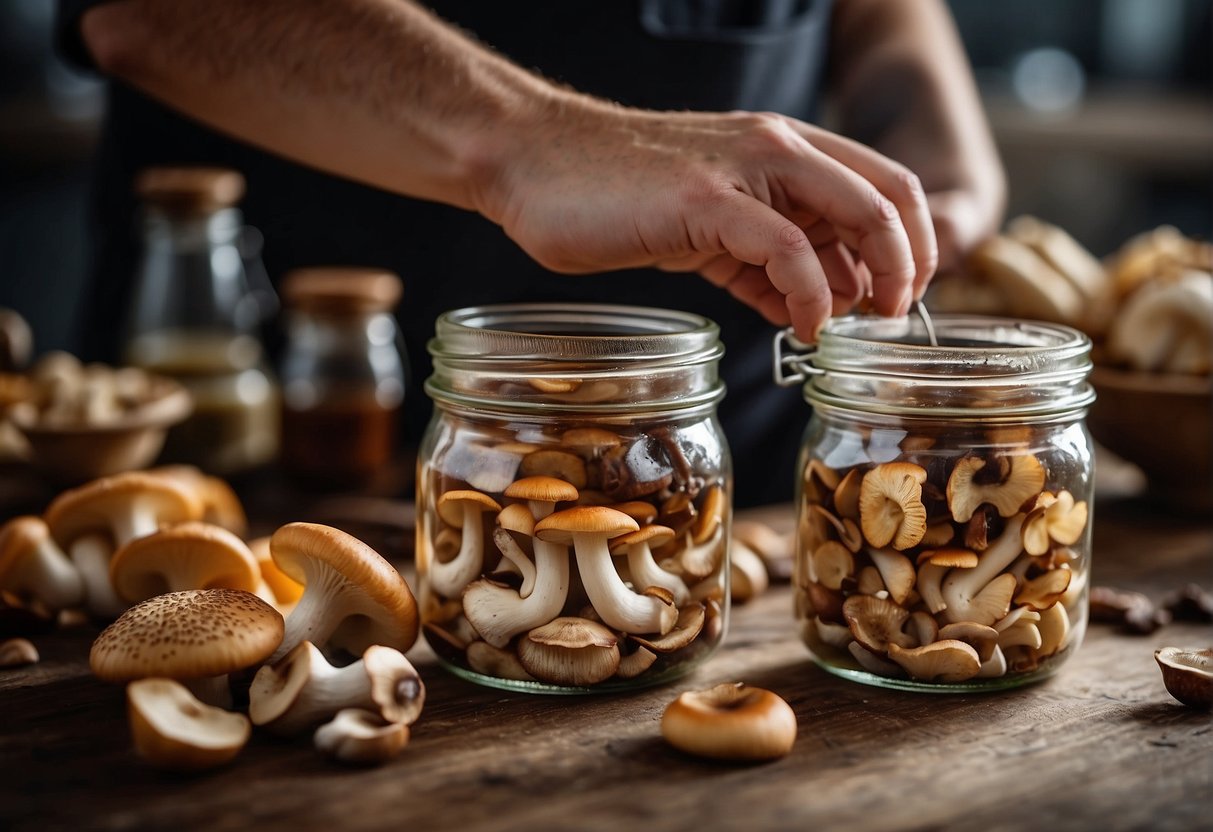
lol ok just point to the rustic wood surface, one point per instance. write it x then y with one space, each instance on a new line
1099 746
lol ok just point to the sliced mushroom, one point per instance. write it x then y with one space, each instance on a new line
876 623
976 594
1024 479
572 652
172 729
1188 675
896 572
1054 628
947 660
890 505
360 737
687 627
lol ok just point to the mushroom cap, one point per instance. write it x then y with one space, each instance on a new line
219 502
686 629
452 505
638 510
1188 675
730 722
590 439
556 464
360 737
560 526
517 518
379 596
963 558
570 651
653 535
200 555
890 505
19 538
1024 479
947 660
711 514
286 590
980 637
876 622
187 635
90 508
542 489
832 562
173 729
396 687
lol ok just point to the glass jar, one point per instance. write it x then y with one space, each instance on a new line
342 375
195 319
574 496
944 507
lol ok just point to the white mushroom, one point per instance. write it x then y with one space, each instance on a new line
498 613
360 738
644 570
589 528
976 594
33 567
172 729
464 509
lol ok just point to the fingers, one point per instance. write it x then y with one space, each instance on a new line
778 271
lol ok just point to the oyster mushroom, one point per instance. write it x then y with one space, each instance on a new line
730 722
687 627
588 528
747 574
1056 519
831 563
360 737
560 465
876 623
574 652
1045 590
976 594
644 570
948 660
872 663
890 505
33 567
1024 479
171 728
635 663
463 509
498 613
980 637
192 555
302 689
1188 675
699 560
352 597
93 521
932 566
896 571
196 637
846 495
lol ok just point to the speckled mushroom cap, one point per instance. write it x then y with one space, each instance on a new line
91 508
307 551
187 635
191 555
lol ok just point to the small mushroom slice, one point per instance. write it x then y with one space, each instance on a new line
172 729
872 663
890 505
976 594
643 568
462 509
686 629
1188 675
192 555
896 571
635 663
358 737
1045 590
947 660
831 564
496 662
573 652
876 623
1024 479
302 689
730 722
196 637
981 638
1054 627
32 566
352 597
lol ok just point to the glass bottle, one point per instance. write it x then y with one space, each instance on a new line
944 507
342 372
194 319
574 496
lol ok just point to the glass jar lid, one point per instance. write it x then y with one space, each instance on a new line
575 357
983 367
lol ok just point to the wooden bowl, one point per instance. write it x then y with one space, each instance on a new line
1164 424
72 454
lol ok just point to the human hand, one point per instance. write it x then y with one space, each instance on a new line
794 221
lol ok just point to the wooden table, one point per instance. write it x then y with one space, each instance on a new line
1100 746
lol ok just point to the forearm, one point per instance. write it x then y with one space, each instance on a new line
903 85
373 90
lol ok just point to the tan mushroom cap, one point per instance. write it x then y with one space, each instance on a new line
516 517
191 555
687 628
730 722
638 510
653 535
832 563
359 737
1023 481
389 617
1045 590
187 635
948 660
556 464
452 505
891 510
876 623
90 508
570 651
711 514
219 502
962 558
597 520
172 729
590 439
980 637
19 537
1188 675
541 489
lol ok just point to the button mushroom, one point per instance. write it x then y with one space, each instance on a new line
589 528
574 652
93 521
352 597
191 555
462 509
302 689
172 729
890 505
360 737
976 594
730 722
196 637
1024 479
33 567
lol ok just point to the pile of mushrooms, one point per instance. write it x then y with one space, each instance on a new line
579 558
954 570
197 607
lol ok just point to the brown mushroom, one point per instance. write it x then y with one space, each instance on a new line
1045 590
890 505
1024 479
172 729
193 555
831 563
896 572
462 509
948 660
1188 675
876 623
730 722
572 652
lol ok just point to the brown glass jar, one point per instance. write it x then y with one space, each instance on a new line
944 505
574 497
342 372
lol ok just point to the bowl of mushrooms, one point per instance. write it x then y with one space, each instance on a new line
1149 311
77 422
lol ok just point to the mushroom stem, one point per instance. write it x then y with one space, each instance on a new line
499 613
451 577
512 553
49 576
313 618
211 690
619 607
91 553
961 586
645 573
140 521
